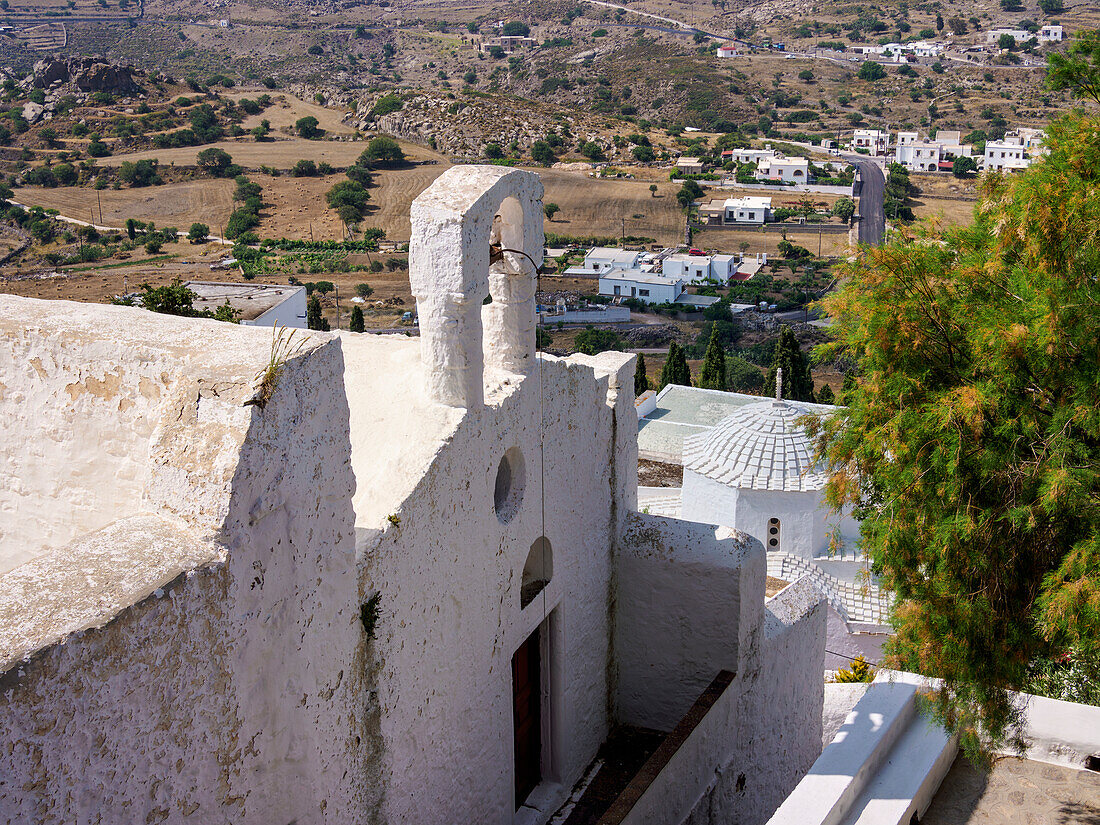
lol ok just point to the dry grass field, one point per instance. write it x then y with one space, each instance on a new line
178 204
287 109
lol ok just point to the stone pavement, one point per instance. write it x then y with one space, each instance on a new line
1017 792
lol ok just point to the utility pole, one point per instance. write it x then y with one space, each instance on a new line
311 232
337 289
100 202
624 231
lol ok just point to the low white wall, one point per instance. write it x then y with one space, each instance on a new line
611 315
683 603
1062 733
290 313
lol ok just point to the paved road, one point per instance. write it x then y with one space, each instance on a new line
872 218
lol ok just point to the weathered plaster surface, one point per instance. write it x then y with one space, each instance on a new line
224 694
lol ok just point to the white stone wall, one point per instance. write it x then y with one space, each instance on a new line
685 607
449 576
228 695
289 313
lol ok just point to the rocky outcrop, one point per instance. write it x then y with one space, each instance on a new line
86 75
50 71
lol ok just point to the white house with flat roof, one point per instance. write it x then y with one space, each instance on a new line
1050 33
695 269
749 209
749 155
784 169
1005 156
873 140
603 258
919 156
651 287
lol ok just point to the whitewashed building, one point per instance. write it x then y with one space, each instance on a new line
650 287
727 50
749 209
919 156
873 140
755 469
697 269
333 579
1050 33
1002 156
748 155
604 258
784 169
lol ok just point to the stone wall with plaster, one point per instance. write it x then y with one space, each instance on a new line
225 692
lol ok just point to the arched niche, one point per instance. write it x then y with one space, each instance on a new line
537 571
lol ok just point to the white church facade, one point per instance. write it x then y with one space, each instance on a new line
335 578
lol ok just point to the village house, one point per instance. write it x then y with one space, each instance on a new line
506 43
690 166
1006 155
919 156
723 268
253 577
605 258
727 50
876 142
783 169
748 155
649 287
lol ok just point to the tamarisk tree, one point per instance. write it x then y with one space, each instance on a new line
970 442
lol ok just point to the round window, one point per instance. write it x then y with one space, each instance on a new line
508 490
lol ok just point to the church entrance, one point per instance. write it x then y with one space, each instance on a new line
527 719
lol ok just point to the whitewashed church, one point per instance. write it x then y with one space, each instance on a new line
334 578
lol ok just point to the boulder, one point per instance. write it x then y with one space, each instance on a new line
32 112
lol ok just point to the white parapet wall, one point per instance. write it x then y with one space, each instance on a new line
883 767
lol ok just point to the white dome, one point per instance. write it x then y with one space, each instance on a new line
758 447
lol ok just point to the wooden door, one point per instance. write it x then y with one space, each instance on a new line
527 720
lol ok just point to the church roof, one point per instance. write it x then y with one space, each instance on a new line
758 447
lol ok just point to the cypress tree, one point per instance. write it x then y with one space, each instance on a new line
798 384
356 324
713 374
314 318
641 380
676 370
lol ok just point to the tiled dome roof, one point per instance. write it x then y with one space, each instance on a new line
758 447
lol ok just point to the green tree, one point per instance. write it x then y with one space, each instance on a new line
198 233
653 190
173 299
592 341
493 151
844 208
970 445
1052 6
364 290
228 313
348 193
870 70
592 150
215 161
356 324
743 376
675 369
712 375
382 151
644 154
641 380
131 228
541 152
1007 42
550 210
315 318
798 384
964 167
308 127
515 28
1078 68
